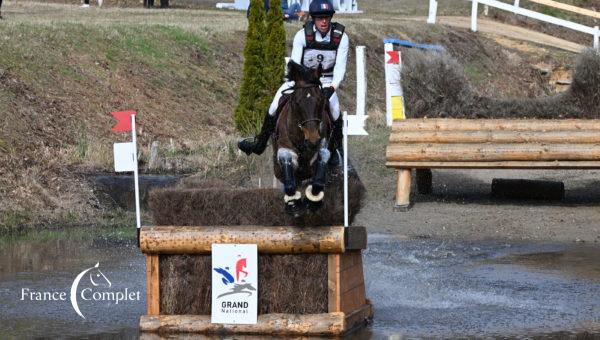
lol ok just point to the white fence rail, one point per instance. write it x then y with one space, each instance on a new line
341 6
515 8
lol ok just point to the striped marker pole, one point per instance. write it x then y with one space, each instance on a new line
393 85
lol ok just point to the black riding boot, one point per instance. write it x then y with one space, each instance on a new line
258 144
337 140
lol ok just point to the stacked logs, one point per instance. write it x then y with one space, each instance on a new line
490 142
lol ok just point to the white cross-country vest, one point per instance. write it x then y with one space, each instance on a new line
323 52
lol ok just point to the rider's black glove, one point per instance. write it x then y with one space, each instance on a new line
328 92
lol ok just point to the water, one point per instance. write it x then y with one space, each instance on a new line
420 288
52 266
424 288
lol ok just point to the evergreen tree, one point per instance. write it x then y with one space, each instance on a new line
251 106
275 48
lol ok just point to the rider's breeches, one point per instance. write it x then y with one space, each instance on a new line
334 103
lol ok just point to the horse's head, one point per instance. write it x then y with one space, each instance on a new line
307 102
304 75
97 278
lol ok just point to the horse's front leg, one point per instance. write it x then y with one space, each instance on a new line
288 161
315 191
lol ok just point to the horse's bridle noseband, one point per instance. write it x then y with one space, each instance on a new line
301 124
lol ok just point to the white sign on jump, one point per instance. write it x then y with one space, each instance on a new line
234 283
393 85
124 157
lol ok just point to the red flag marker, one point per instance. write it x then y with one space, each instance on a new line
394 57
123 120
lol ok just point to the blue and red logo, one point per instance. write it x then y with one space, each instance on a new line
239 282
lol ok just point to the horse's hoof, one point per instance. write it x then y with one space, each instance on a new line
314 206
295 208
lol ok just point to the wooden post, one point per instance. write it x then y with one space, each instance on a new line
403 189
152 282
346 282
333 283
424 181
352 287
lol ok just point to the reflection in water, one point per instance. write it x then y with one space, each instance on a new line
420 288
38 266
46 256
576 262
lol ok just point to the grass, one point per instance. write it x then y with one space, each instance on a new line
39 53
368 157
13 222
475 72
78 234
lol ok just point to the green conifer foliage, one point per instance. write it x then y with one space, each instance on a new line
251 106
275 49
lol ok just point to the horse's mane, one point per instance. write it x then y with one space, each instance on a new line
303 74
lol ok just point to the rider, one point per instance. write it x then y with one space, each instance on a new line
319 42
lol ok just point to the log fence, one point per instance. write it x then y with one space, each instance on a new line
488 144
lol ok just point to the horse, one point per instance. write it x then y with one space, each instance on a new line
301 141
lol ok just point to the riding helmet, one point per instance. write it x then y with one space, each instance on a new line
321 8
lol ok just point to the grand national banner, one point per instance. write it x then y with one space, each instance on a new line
234 283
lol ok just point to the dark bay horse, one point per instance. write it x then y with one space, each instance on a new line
301 147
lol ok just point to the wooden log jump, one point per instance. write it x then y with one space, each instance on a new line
346 309
449 124
272 240
489 152
489 143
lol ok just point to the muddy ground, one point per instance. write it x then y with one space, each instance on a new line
461 206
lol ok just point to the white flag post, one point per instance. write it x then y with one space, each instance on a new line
138 218
355 124
345 130
125 156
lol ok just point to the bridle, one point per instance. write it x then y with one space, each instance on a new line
305 86
301 124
